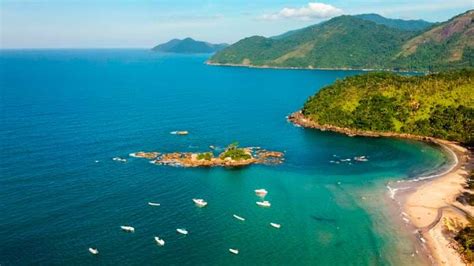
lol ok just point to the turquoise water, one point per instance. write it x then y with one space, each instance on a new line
61 110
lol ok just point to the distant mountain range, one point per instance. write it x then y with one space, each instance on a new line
367 41
188 46
409 25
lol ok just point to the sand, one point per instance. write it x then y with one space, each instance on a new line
433 202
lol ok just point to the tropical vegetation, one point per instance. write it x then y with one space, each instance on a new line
235 153
438 105
362 42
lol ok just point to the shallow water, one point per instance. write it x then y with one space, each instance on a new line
61 110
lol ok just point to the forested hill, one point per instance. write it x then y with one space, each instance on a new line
360 43
438 105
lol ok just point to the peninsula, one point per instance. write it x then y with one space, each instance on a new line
232 156
438 108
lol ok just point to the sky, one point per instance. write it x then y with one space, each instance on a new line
146 23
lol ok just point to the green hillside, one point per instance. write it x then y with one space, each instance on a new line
439 105
401 24
359 43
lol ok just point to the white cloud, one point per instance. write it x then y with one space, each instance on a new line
311 11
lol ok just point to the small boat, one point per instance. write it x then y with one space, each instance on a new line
238 217
183 132
234 251
261 192
159 241
200 203
264 203
118 159
153 204
93 251
182 231
127 228
361 158
275 225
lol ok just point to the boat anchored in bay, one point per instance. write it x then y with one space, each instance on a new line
127 228
200 203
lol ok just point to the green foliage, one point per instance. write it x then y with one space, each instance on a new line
205 156
235 153
465 238
409 25
438 105
360 42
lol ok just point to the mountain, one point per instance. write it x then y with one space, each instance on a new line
447 45
188 46
408 25
358 43
438 105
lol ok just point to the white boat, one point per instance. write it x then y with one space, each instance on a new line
264 203
238 217
234 251
118 159
153 204
361 158
275 225
182 231
261 192
159 241
127 228
200 203
93 251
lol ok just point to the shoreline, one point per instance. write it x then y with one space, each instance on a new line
426 204
313 68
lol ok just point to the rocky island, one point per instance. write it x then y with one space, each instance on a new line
232 156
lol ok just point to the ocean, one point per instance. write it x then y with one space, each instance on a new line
64 114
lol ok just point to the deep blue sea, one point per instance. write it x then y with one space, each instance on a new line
64 114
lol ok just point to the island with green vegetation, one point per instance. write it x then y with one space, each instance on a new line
436 105
361 42
232 156
188 46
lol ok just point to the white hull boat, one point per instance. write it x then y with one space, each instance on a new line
263 203
93 251
127 228
159 241
182 231
234 251
200 203
275 225
238 217
261 192
153 204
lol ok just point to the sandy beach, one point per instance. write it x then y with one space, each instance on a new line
432 207
428 203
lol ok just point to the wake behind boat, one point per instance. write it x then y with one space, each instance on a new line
238 217
182 231
153 204
93 251
127 228
159 241
200 203
264 203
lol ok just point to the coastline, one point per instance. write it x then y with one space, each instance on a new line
428 206
313 68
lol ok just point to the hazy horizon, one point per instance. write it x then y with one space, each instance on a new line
75 24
